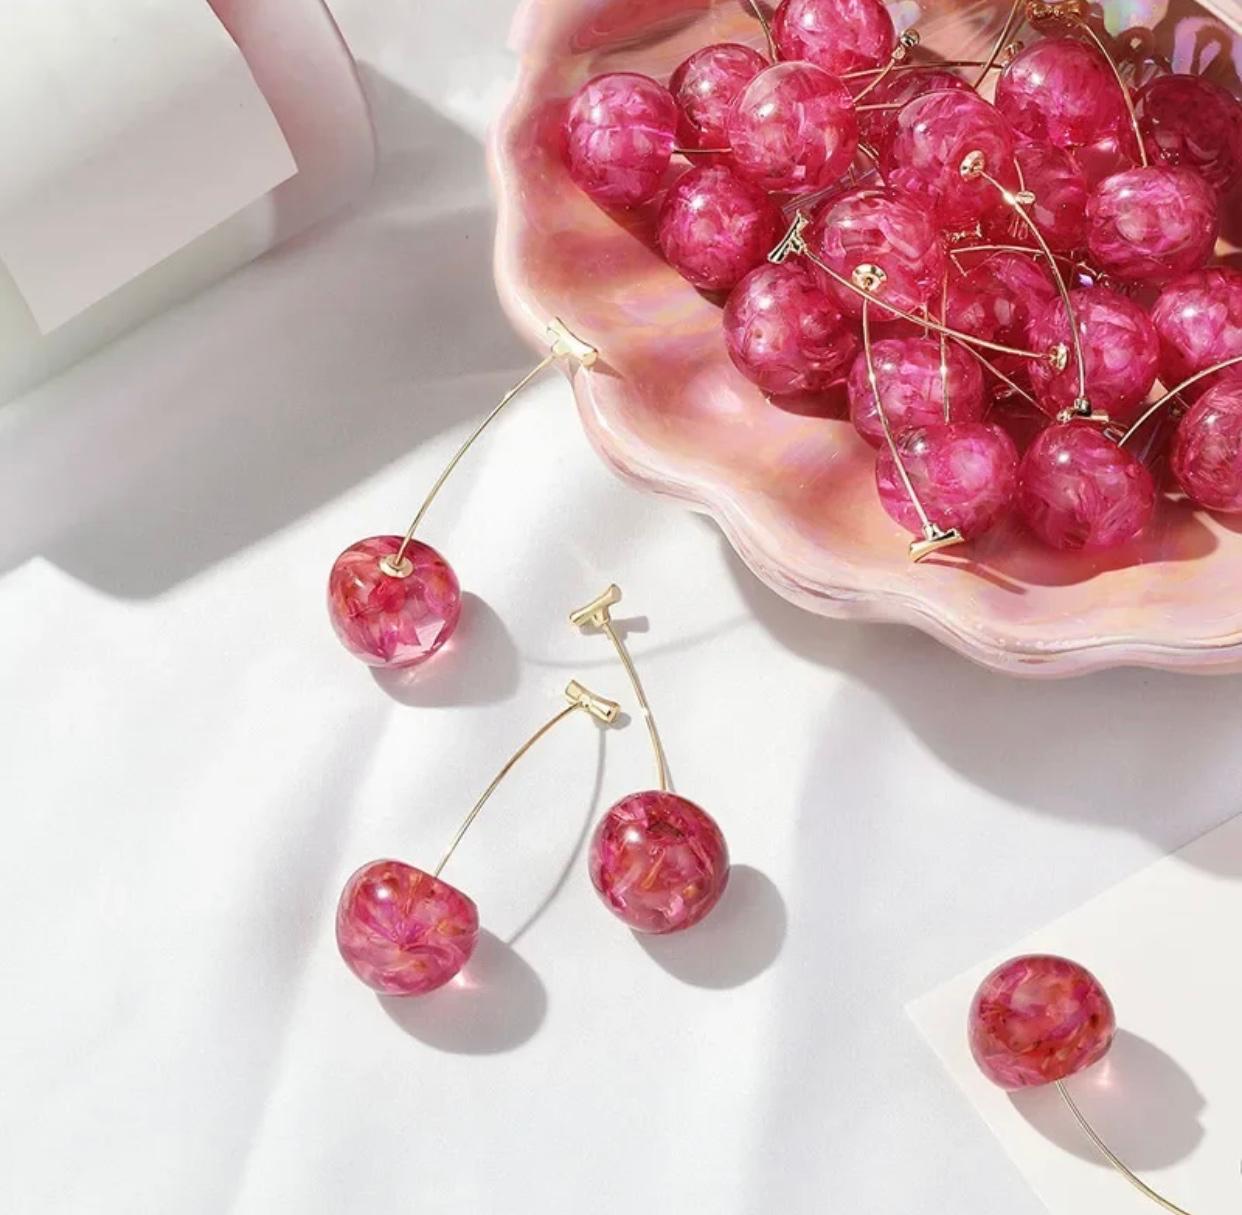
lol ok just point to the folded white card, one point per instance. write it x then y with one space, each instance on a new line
128 128
1168 1097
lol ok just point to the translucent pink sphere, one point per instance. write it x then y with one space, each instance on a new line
1199 320
877 126
402 931
1113 154
785 333
997 298
837 35
913 387
1120 349
388 621
793 128
1061 91
714 227
1152 223
878 228
964 474
620 132
933 135
1207 449
1039 1019
659 862
705 87
1194 124
1077 490
1060 207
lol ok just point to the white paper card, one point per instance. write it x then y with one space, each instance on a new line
128 128
1168 1097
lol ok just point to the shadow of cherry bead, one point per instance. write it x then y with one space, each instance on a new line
837 35
388 621
620 132
1192 123
1206 457
659 862
1199 321
1039 1019
404 932
705 85
1080 491
1060 206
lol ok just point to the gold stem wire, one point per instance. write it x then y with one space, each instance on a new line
657 746
905 44
762 18
998 373
913 67
944 344
1121 84
1011 26
1100 1146
1159 404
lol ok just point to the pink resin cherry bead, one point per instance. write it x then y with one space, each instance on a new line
1061 91
1207 449
1199 320
1192 123
837 35
1060 206
785 333
793 128
1039 1019
877 126
714 227
964 474
388 621
402 931
659 862
911 385
1120 349
705 87
933 135
620 132
996 299
1078 490
1152 223
877 228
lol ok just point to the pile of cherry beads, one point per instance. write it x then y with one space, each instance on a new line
953 214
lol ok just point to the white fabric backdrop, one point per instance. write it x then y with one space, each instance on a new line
191 766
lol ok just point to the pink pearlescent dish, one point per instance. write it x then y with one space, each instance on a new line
793 489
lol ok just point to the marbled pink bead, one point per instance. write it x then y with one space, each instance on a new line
1060 207
388 621
1207 449
1078 490
659 862
964 474
785 333
1151 223
877 126
913 387
933 135
1061 91
1120 350
878 228
402 931
620 131
1192 123
837 35
997 298
1199 320
1113 154
714 227
1039 1019
793 128
705 86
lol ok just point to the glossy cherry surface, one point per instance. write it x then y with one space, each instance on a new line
1193 123
1060 207
1207 449
837 35
705 86
1199 320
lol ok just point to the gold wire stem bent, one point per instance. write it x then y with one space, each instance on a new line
1161 402
901 52
762 18
1012 24
859 73
580 698
1084 25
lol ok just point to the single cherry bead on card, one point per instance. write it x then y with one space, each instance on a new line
1120 350
1078 490
714 227
1152 223
1207 449
391 621
793 128
402 931
877 126
1039 1019
705 86
1060 206
1199 320
913 387
1192 123
838 35
620 132
785 333
1061 91
964 474
932 137
659 862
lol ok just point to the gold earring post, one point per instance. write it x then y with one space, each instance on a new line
580 699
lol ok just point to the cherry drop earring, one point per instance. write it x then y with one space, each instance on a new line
404 931
658 861
395 601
